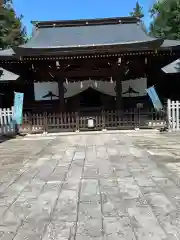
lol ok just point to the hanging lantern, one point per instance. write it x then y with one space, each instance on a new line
111 81
81 85
57 64
145 60
119 60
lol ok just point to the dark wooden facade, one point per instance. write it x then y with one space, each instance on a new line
167 85
117 63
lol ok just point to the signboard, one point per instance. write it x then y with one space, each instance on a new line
154 98
18 107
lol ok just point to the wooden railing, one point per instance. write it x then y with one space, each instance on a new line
109 119
6 123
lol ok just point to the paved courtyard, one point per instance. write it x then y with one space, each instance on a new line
97 186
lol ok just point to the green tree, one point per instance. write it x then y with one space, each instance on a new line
137 11
12 32
166 19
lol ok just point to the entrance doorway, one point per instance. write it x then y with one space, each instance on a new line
90 99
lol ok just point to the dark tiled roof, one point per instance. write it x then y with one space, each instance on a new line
7 54
170 44
173 67
126 33
7 75
88 35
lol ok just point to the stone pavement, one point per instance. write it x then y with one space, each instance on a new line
90 187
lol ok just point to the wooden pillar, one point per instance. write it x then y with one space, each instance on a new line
61 93
119 75
118 93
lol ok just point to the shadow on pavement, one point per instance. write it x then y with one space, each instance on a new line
4 138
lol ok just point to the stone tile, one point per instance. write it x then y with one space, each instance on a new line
60 230
91 228
128 188
9 222
126 192
144 181
89 210
90 172
164 182
123 173
118 228
85 237
159 202
74 172
7 236
23 208
156 173
26 233
79 156
113 205
66 207
145 224
89 190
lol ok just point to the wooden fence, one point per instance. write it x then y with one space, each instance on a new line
72 121
6 124
173 114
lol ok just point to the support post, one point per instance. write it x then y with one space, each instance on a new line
118 93
169 118
119 76
61 94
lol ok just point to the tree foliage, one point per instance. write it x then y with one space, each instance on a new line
137 11
12 33
166 19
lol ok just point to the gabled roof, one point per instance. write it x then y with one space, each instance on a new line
170 44
172 68
7 53
72 89
7 75
86 35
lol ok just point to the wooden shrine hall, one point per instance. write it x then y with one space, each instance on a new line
100 68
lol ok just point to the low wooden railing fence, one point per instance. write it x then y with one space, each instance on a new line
6 123
173 115
109 119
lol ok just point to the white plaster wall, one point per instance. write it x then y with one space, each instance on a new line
42 88
139 85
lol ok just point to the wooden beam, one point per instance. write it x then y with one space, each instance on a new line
88 73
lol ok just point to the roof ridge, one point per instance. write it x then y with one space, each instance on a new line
85 22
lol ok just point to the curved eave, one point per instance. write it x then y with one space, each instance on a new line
8 58
7 54
69 50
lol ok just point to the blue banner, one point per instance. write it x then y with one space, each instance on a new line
18 107
154 98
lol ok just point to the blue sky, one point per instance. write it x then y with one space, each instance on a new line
75 9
